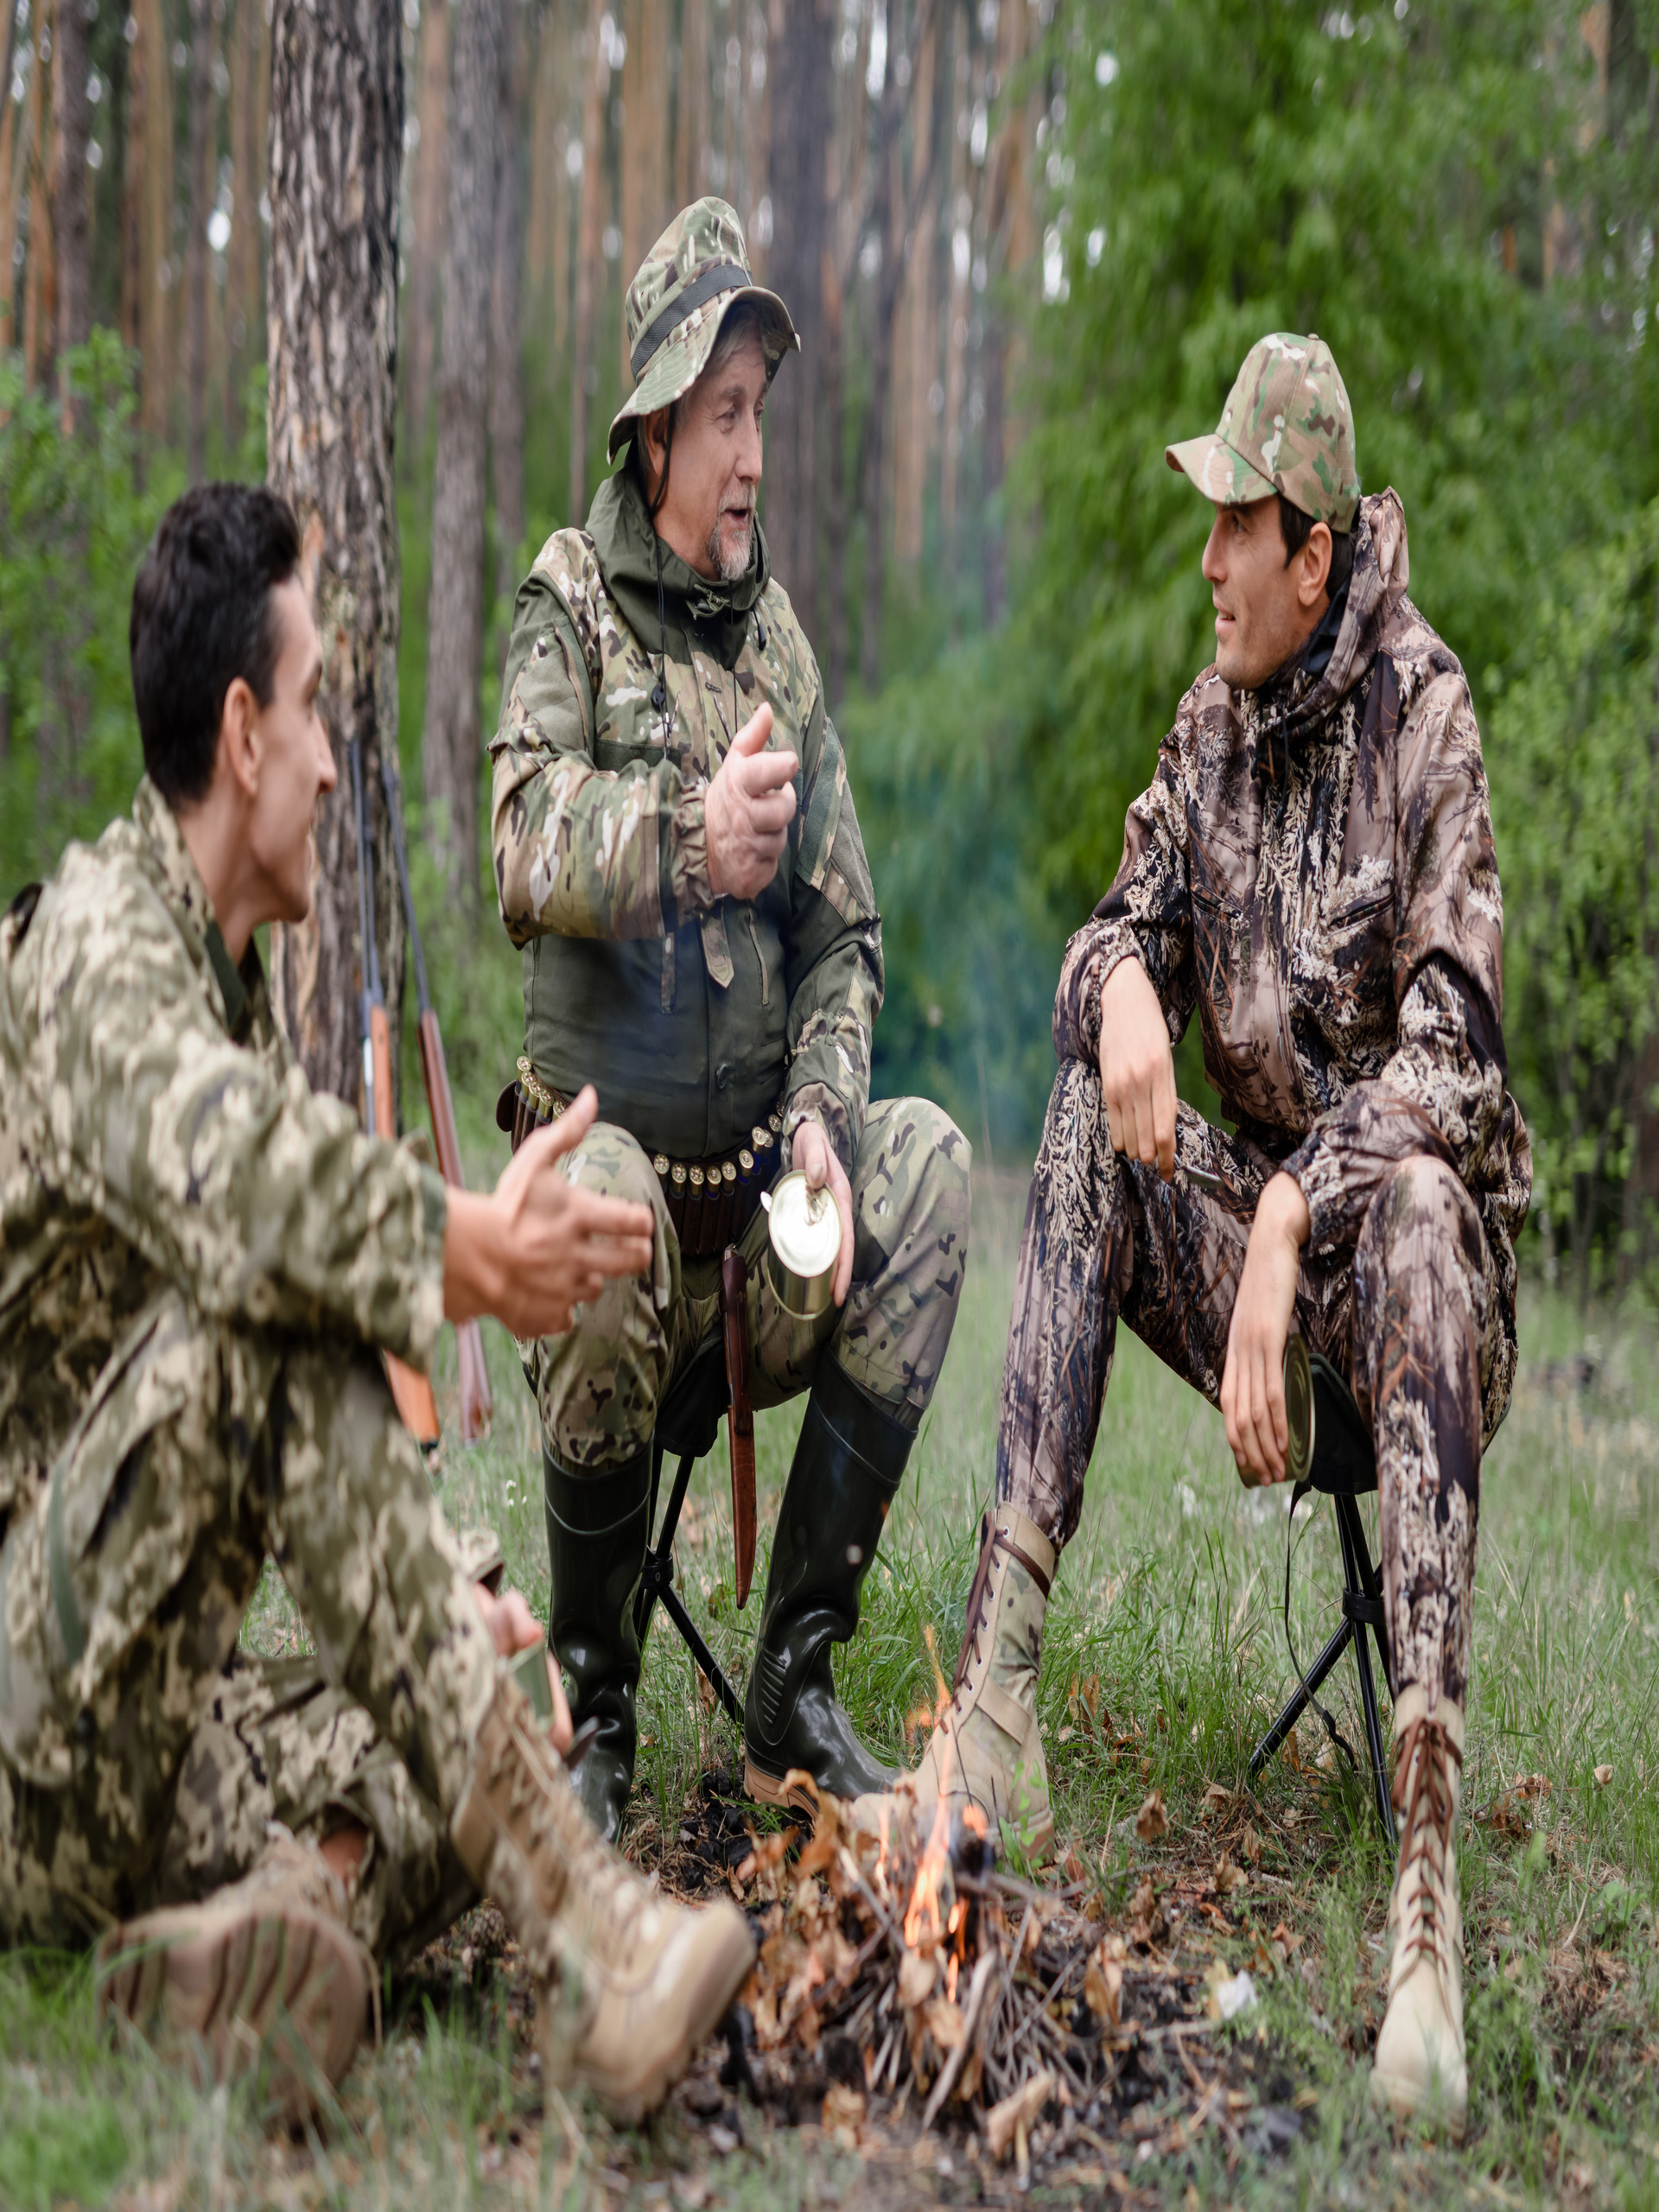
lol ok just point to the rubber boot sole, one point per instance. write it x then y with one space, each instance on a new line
1411 2100
220 1989
718 1955
764 1788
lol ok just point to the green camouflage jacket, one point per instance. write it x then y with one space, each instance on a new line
692 1016
154 1129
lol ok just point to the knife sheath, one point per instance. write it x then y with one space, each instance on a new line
740 1416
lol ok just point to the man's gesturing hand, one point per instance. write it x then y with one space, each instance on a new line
812 1153
746 814
1137 1069
1253 1386
538 1246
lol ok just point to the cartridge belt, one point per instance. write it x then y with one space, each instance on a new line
710 1202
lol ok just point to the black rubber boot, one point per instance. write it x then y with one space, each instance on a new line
847 1465
596 1537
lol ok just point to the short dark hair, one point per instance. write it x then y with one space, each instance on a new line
1296 527
202 615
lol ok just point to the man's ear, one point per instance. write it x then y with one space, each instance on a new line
241 741
653 449
1316 565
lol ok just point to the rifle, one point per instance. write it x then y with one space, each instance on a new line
411 1393
476 1408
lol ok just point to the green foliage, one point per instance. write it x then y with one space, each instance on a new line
1575 741
76 512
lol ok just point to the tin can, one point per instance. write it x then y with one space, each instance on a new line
1299 1411
803 1244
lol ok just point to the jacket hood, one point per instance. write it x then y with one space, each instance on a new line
1296 700
714 613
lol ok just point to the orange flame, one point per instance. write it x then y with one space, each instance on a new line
923 1923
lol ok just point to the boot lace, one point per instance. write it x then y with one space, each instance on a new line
1424 1799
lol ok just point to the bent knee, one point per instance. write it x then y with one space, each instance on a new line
615 1164
920 1166
1423 1198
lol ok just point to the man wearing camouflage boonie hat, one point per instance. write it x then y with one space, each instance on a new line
676 851
1312 873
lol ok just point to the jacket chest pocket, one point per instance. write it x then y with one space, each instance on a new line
1350 980
1221 952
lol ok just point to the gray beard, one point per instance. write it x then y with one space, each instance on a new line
729 567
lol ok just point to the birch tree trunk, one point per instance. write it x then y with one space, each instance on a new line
449 743
336 150
801 68
72 49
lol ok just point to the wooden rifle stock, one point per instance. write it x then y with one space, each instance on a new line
411 1392
740 1419
477 1408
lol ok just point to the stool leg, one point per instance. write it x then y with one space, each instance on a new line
1299 1700
1356 1572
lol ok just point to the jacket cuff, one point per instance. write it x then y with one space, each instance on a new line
816 1102
426 1269
1091 958
687 888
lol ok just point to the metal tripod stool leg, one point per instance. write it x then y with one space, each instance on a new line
657 1581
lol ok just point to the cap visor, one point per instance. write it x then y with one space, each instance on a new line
683 355
1221 474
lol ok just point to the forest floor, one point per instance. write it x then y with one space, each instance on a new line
1169 1602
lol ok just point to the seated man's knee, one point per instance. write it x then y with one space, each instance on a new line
1423 1208
918 1177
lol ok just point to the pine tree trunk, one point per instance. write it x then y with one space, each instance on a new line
646 209
801 67
71 215
431 183
156 276
450 749
336 150
587 230
247 159
507 333
692 118
195 252
39 299
13 151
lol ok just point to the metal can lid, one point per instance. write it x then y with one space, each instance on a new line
805 1226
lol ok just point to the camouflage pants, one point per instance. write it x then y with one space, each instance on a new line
1410 1319
141 1758
598 1387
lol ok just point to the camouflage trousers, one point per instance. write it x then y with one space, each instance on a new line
1410 1319
598 1387
142 1757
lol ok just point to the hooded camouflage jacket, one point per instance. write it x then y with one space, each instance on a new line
157 1136
692 1016
1313 870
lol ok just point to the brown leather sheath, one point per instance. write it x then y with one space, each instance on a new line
740 1416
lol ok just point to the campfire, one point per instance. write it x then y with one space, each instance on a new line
903 1977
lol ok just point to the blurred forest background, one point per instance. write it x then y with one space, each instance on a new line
1026 245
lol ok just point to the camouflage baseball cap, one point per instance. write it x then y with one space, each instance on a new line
1287 427
688 284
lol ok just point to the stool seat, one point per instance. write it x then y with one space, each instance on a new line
1336 1449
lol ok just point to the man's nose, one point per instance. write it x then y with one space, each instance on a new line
748 458
1214 567
328 773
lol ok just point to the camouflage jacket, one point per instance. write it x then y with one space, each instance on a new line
1313 870
692 1016
155 1131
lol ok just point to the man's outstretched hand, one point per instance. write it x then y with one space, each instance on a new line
1137 1069
812 1153
747 811
513 1628
539 1246
1253 1386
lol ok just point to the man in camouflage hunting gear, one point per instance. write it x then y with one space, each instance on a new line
200 1265
678 853
1311 873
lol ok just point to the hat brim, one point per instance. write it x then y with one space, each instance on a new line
1223 475
683 355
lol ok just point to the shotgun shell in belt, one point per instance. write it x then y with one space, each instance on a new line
803 1229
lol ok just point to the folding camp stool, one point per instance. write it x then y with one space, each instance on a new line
688 1423
1340 1462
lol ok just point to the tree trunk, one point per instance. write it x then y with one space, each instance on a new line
691 115
132 200
646 209
40 294
247 159
156 277
506 336
72 225
455 610
593 188
802 62
13 151
195 252
336 150
431 181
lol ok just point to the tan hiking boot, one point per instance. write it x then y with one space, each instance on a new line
986 1750
1420 2066
629 1985
268 1967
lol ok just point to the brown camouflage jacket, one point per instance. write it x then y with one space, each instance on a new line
155 1131
693 1015
1313 871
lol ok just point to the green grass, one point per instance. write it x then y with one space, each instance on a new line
1169 1597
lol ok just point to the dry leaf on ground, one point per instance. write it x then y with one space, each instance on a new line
1152 1821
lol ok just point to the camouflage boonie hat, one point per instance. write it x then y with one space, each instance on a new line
1287 427
692 278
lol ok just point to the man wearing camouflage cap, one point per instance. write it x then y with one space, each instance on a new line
1311 872
678 853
